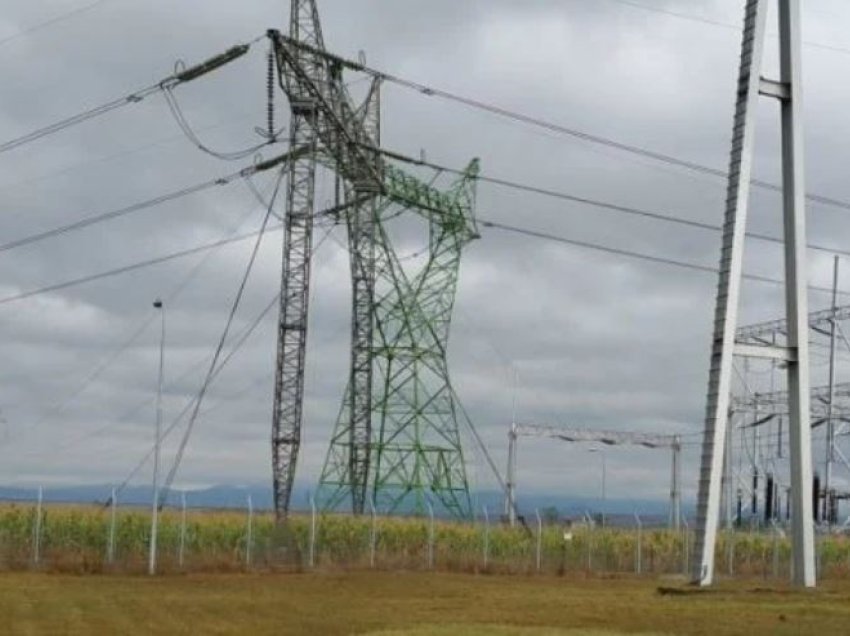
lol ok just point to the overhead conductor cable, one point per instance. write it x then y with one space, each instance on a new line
167 84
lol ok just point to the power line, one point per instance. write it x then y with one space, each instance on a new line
330 212
247 172
133 266
192 136
236 348
190 404
144 205
181 77
114 355
538 122
55 20
676 14
638 212
717 23
631 254
73 167
132 98
114 214
613 207
220 347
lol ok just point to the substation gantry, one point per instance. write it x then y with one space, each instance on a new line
608 438
828 406
396 444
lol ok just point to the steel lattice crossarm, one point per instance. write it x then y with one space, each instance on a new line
763 332
777 401
609 438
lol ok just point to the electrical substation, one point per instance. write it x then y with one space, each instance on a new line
773 440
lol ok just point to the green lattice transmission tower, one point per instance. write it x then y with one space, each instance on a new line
415 450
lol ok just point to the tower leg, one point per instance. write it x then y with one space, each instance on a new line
295 277
802 531
728 292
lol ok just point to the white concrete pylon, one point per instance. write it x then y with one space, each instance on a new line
788 90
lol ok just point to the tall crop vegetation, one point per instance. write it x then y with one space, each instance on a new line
76 538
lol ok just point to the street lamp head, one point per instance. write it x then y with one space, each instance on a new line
157 303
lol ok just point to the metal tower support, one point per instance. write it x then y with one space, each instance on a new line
762 333
609 438
830 413
416 452
510 490
796 354
297 250
361 247
400 324
776 403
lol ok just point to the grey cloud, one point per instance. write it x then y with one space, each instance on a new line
597 340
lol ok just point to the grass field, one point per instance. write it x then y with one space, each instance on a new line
408 604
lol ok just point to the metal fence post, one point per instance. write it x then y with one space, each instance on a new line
730 552
36 554
373 533
486 537
639 551
250 531
110 544
775 549
312 531
686 547
539 552
430 535
182 548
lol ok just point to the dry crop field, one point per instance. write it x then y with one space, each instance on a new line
76 539
409 604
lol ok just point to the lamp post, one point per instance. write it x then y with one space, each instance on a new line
604 477
158 304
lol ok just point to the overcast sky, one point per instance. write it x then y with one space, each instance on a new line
595 340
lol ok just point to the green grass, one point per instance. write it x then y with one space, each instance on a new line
409 604
496 630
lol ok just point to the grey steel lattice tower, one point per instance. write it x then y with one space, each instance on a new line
297 251
788 90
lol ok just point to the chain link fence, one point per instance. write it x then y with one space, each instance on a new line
116 539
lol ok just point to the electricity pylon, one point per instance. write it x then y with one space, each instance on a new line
788 90
399 324
416 452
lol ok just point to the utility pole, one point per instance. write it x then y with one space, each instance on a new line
158 304
510 495
830 423
675 484
728 478
604 478
795 354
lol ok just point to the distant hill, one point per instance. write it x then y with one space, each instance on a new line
618 511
